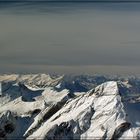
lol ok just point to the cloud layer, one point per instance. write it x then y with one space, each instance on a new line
33 38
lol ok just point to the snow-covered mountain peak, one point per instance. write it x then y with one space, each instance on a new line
107 88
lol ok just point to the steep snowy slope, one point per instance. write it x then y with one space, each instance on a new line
97 114
52 112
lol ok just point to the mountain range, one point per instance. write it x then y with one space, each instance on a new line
52 107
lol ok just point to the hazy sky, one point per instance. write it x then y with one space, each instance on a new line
70 38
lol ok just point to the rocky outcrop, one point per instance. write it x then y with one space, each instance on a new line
120 130
7 124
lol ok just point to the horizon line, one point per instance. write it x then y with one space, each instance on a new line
95 1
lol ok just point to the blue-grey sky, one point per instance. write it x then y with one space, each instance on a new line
70 38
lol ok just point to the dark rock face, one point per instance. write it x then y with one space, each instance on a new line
7 124
9 128
36 111
63 131
2 133
120 130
